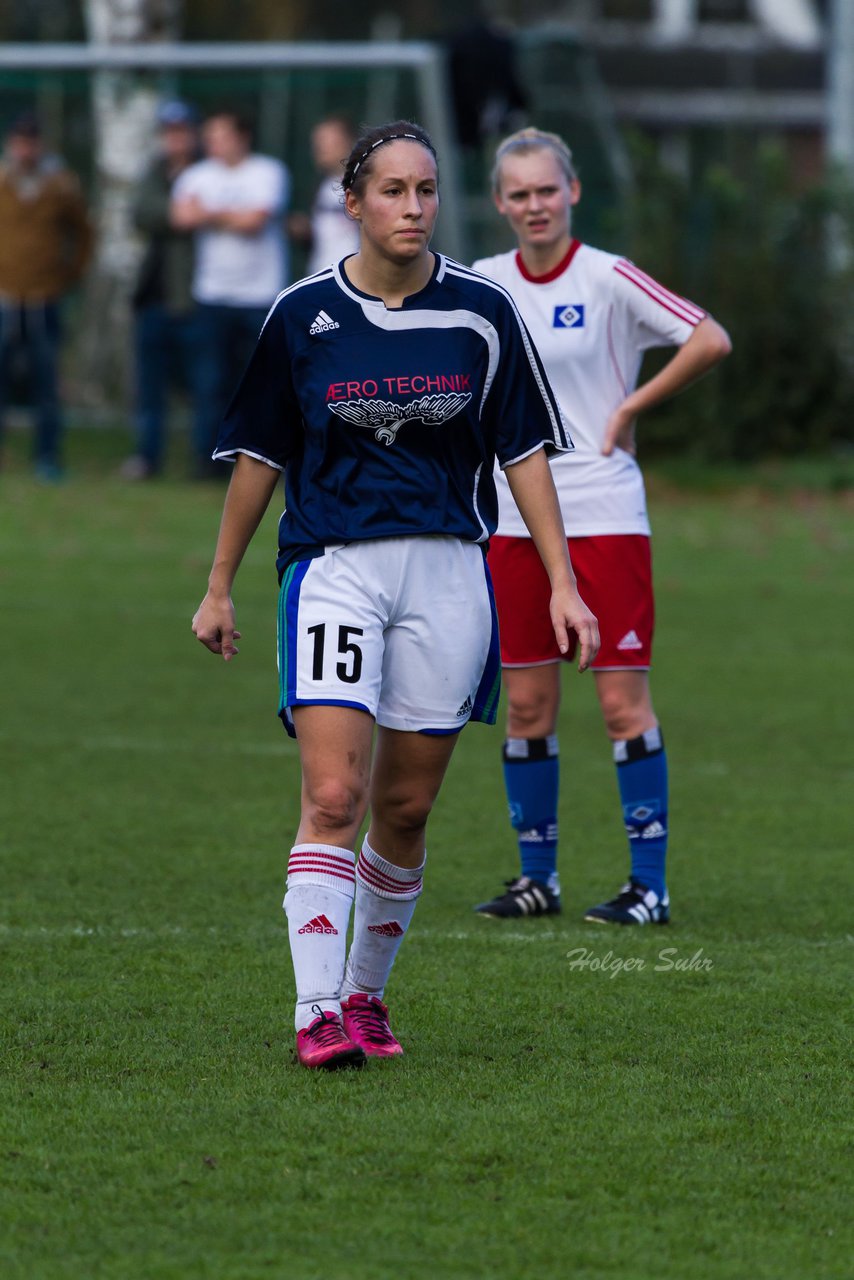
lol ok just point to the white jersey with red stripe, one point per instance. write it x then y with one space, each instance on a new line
591 318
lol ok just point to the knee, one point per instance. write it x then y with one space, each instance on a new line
530 714
334 805
624 717
405 813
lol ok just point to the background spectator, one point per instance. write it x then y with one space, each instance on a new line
166 327
46 242
234 201
486 90
329 232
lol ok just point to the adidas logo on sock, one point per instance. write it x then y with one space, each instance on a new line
322 323
630 641
391 929
320 924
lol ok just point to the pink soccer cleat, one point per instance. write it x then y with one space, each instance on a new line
326 1044
366 1023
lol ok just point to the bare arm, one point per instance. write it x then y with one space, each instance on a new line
189 214
248 497
248 222
706 347
534 494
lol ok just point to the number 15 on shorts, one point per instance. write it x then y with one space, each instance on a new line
346 660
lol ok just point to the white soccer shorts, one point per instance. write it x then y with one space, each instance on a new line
403 628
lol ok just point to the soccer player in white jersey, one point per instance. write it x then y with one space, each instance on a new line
384 387
592 316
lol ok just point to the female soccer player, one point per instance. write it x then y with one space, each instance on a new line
383 387
592 315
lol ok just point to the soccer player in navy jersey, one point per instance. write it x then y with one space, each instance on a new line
383 387
592 316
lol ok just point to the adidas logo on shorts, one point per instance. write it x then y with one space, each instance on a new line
466 708
630 641
322 323
320 924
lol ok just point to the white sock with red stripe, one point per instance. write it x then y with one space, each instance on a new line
385 903
321 885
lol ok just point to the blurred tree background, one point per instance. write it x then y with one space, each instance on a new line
764 257
742 224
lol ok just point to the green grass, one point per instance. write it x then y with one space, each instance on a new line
548 1120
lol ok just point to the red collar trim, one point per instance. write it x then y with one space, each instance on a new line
555 271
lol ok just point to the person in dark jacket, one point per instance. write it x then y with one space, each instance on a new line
167 340
46 242
487 93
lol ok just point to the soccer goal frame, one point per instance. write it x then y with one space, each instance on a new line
423 60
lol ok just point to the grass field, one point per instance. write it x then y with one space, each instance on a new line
550 1119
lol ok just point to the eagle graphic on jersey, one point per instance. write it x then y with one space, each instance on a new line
385 418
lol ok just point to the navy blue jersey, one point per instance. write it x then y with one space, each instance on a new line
387 421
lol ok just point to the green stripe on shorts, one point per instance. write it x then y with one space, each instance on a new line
282 624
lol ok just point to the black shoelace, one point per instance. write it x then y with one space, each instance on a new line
327 1031
372 1023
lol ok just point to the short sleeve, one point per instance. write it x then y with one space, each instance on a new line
522 408
264 418
273 187
186 183
655 316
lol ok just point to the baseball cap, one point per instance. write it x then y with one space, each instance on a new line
175 112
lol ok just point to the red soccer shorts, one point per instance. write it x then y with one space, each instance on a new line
614 573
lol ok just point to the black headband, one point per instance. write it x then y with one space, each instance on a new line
392 137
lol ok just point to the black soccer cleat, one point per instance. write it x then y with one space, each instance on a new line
634 904
523 897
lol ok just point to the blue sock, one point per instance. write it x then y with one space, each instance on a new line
531 777
642 778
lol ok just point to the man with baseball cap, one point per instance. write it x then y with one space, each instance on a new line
167 334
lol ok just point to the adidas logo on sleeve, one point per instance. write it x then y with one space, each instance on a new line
322 323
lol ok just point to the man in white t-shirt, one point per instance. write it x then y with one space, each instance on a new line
234 201
592 315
